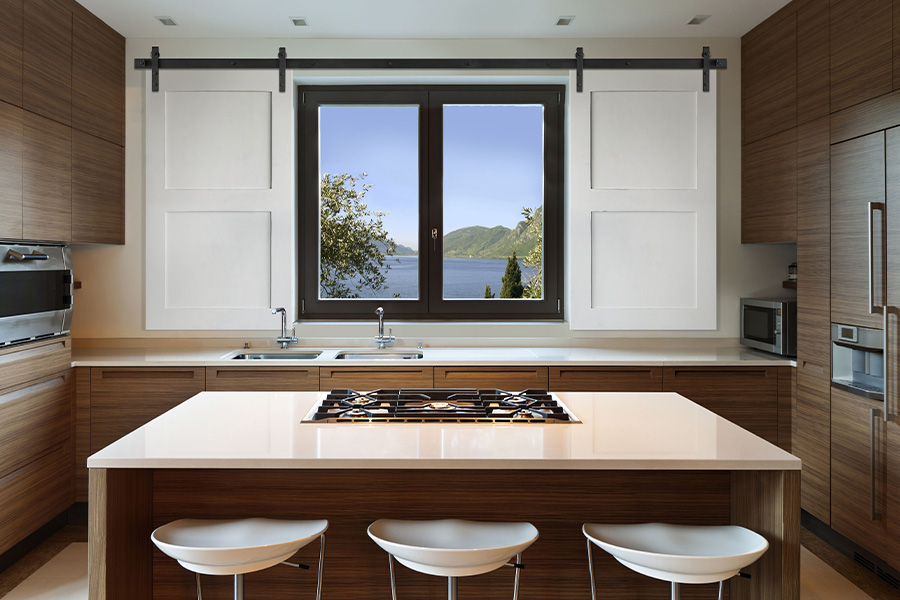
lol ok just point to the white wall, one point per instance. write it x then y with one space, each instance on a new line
111 301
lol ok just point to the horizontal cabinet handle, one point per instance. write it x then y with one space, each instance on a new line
147 374
32 389
589 371
239 373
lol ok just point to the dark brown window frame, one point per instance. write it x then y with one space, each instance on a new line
431 305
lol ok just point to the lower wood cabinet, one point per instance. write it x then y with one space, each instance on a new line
606 379
262 379
370 378
504 378
34 418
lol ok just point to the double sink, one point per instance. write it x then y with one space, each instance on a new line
302 354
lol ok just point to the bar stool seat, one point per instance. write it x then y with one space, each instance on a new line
678 553
452 547
236 547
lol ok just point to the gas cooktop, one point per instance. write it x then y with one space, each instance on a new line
440 406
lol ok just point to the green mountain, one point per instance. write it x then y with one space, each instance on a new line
489 242
404 251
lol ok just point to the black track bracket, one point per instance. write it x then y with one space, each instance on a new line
579 69
154 64
282 67
705 56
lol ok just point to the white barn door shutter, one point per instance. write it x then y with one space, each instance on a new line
220 213
642 228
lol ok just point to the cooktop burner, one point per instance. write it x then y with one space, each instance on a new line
440 406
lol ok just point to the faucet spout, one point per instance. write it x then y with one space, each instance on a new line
381 340
284 339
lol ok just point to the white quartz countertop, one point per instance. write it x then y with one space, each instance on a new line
256 430
435 356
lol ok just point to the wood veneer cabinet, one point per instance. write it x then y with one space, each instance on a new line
11 39
769 189
46 175
504 377
813 66
262 379
98 79
370 378
606 379
47 74
98 190
10 171
861 35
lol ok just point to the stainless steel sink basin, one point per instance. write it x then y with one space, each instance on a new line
287 355
378 355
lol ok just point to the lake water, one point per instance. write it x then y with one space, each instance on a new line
463 277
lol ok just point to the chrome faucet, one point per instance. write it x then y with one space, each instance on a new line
382 340
284 339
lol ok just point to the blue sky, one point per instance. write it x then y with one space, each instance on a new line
492 162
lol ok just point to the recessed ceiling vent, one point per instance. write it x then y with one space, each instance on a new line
167 21
565 21
299 21
698 20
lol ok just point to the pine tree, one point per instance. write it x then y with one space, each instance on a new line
512 279
487 291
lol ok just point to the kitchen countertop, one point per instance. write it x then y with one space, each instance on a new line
712 355
263 430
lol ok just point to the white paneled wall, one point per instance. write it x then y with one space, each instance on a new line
642 219
220 249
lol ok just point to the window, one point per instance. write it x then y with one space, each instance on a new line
417 200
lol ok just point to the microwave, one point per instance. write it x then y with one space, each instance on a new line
769 324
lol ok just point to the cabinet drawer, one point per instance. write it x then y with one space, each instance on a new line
371 378
34 494
33 419
504 378
262 379
606 379
22 364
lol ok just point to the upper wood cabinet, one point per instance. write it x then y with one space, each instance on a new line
769 76
98 79
47 75
769 189
47 173
861 51
11 24
10 171
813 68
98 190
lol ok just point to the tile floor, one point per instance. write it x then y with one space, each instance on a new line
57 570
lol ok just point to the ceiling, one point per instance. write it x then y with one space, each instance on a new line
432 19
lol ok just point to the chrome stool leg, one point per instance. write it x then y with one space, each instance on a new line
199 590
518 567
452 590
721 590
238 587
321 567
393 583
591 571
676 591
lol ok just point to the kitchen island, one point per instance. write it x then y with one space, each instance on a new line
633 457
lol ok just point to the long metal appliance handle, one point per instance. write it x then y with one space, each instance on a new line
874 515
873 206
35 255
888 414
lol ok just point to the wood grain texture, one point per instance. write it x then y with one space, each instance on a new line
11 40
82 430
892 552
33 419
769 189
786 390
852 485
124 399
875 115
21 365
98 79
119 526
10 171
861 51
372 378
262 379
896 33
47 70
606 379
813 68
504 378
98 190
769 104
811 423
556 502
768 502
35 493
47 180
857 177
746 396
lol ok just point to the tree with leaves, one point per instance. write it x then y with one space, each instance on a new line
534 226
512 279
353 242
487 291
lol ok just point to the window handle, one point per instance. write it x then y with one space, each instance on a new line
434 236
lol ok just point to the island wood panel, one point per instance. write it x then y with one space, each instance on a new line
857 178
606 379
33 419
861 35
10 169
811 423
34 494
371 378
98 78
746 396
769 104
22 364
47 59
262 379
98 190
769 189
46 179
82 430
503 378
11 39
556 502
858 470
813 76
123 399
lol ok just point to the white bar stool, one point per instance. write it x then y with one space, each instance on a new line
453 548
677 553
236 547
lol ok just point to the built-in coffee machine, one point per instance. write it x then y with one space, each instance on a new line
857 360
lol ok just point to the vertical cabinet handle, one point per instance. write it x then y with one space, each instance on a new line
888 415
873 206
874 514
